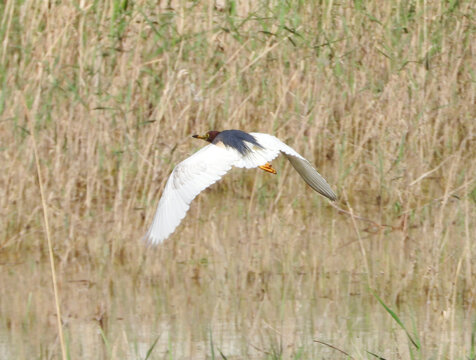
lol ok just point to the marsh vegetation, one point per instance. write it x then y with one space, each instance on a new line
380 96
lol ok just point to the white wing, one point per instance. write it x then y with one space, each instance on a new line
187 180
303 167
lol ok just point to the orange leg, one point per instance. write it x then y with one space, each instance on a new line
268 167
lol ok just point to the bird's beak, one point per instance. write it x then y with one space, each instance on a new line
203 137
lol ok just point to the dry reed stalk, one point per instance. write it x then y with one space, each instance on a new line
47 230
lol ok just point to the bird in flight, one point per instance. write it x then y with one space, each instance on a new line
227 148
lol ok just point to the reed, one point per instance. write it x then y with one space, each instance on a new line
379 96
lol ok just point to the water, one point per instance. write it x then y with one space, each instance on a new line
118 314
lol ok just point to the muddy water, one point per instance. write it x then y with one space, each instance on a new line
114 315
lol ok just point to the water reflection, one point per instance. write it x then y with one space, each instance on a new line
105 318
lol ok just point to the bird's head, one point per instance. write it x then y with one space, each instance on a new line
209 136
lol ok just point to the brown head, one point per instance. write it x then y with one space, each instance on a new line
209 136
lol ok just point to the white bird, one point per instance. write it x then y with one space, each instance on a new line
228 148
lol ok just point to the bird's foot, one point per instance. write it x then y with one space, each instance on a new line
268 167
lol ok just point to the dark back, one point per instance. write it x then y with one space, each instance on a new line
236 140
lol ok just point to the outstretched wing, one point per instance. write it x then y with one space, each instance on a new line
302 166
188 179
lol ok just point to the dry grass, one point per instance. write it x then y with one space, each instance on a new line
380 96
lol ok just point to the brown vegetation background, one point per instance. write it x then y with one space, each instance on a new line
380 96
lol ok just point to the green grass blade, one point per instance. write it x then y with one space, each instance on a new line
377 356
416 343
105 340
211 345
151 348
221 354
472 355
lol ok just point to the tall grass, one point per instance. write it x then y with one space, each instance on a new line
379 96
